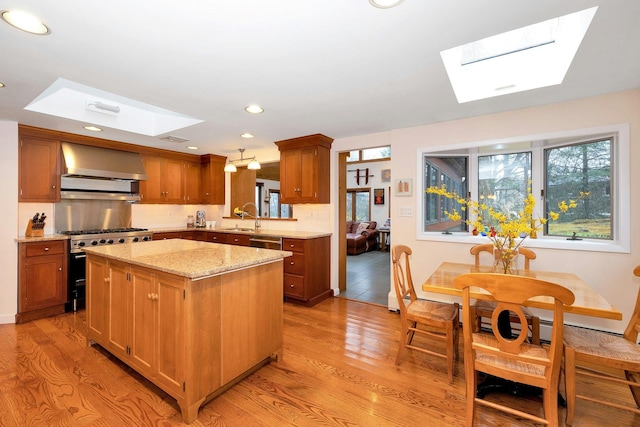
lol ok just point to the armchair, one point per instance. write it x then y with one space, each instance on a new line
361 237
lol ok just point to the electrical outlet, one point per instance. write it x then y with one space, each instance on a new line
405 211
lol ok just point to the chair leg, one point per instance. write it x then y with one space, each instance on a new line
450 351
635 390
550 405
570 382
403 341
471 378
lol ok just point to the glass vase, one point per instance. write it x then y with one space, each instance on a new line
506 262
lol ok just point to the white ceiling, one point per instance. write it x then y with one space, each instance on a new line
338 67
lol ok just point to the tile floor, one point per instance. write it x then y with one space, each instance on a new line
368 277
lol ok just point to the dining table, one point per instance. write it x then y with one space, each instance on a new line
588 302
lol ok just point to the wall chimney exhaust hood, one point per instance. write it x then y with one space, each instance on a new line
97 162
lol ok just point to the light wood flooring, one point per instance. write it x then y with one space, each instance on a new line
338 370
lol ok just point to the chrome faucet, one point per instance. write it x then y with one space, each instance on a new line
256 216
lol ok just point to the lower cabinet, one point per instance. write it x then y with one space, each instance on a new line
42 279
142 324
192 338
306 273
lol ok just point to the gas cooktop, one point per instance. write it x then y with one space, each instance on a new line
101 231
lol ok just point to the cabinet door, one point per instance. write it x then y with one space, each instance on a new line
39 173
192 183
308 180
97 275
44 284
290 175
173 181
143 320
213 180
166 235
151 189
239 239
170 331
119 309
217 237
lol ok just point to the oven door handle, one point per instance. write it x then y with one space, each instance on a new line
79 256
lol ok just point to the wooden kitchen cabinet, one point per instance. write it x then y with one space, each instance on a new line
214 237
304 168
136 314
238 239
42 279
166 180
39 169
192 194
306 273
213 179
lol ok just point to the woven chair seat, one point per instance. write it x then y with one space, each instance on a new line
595 343
528 350
440 312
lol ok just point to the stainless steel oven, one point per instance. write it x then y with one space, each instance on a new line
77 257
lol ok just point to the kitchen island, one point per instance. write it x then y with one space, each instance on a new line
192 317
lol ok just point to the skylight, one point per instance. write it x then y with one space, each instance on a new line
531 57
75 101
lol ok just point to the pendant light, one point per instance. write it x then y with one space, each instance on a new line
231 164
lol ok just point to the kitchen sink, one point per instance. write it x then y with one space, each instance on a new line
238 229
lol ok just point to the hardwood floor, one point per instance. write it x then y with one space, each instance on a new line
338 370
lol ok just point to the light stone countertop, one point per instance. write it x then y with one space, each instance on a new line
46 237
188 258
277 233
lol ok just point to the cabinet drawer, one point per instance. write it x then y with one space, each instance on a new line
294 264
293 286
239 239
217 237
45 248
293 245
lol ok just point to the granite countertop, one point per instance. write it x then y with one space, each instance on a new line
46 237
188 258
276 233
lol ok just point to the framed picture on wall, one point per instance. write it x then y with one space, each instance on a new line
403 187
378 196
385 175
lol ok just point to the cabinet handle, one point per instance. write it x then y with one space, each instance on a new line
53 186
106 280
46 249
149 296
59 268
292 286
292 263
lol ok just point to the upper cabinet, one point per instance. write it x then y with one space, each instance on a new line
302 160
39 168
173 178
212 173
165 183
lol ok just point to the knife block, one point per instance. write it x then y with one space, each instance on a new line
34 230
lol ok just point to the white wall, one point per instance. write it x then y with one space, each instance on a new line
8 230
610 274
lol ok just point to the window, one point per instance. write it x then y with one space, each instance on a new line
277 209
554 168
585 166
358 205
369 154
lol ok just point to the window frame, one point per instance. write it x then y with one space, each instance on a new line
620 183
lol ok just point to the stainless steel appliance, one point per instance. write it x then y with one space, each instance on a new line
266 242
201 220
77 257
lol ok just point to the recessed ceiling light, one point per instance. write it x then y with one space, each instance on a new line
247 135
192 147
25 21
254 109
385 4
93 128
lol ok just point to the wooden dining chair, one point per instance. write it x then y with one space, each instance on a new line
438 320
600 352
512 359
484 309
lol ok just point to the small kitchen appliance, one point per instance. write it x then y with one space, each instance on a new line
201 220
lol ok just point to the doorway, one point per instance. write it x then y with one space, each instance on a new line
365 277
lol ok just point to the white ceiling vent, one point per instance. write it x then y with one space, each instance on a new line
172 138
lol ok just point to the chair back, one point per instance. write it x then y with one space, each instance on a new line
633 328
510 292
402 280
476 250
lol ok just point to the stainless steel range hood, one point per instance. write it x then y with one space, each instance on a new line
97 162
